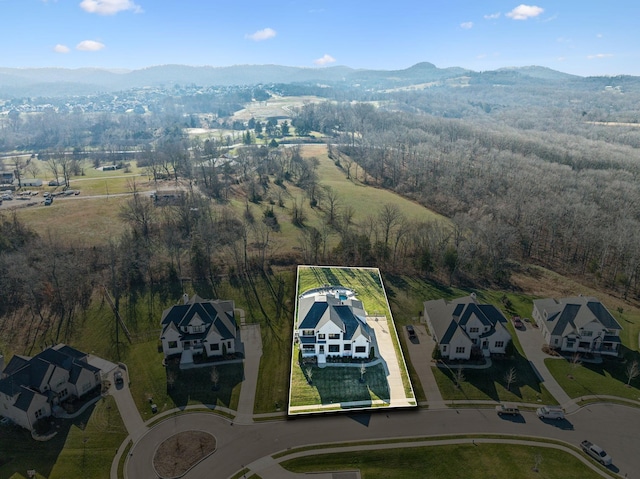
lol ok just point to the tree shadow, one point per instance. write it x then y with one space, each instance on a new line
197 386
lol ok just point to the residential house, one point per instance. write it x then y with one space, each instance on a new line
331 324
32 387
577 325
199 326
462 328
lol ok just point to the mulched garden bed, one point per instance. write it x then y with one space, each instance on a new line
175 456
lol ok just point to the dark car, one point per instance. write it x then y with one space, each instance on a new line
517 323
48 200
411 331
118 377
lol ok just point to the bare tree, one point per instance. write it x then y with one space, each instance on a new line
363 370
215 377
632 371
510 377
458 376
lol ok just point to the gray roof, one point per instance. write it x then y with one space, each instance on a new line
25 376
215 314
447 317
316 311
568 315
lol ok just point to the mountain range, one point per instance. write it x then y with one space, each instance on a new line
20 82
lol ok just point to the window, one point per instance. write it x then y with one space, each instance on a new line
197 329
361 349
499 344
214 347
321 335
444 348
308 332
474 329
587 334
460 349
229 344
334 348
334 336
38 413
308 347
172 344
347 347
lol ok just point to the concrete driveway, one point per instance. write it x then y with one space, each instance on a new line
532 342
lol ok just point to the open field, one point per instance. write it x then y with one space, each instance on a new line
486 461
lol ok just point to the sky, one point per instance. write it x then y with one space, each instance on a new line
586 37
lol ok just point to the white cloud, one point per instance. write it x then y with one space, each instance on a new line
109 7
523 12
262 35
492 16
61 48
89 46
324 60
466 25
599 56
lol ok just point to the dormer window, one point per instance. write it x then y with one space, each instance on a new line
197 329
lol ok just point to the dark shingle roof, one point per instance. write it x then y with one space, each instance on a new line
214 314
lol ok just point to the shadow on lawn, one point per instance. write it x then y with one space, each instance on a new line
197 385
342 385
486 380
20 452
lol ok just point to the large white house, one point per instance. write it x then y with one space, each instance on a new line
331 323
577 325
199 326
461 327
32 387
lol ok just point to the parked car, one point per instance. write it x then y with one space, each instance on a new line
596 452
411 331
517 322
550 412
48 201
117 377
507 409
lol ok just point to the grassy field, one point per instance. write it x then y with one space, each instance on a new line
486 461
586 379
83 447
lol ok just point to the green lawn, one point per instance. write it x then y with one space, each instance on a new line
608 378
336 385
485 461
490 384
368 287
83 447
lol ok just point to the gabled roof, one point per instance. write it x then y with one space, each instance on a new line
447 317
569 315
26 376
216 315
314 312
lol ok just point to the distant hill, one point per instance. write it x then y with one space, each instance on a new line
17 82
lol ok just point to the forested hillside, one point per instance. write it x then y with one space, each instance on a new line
524 167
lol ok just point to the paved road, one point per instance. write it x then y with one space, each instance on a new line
245 444
614 427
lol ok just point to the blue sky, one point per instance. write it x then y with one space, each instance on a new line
588 37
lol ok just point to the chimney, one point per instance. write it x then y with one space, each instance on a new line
185 298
